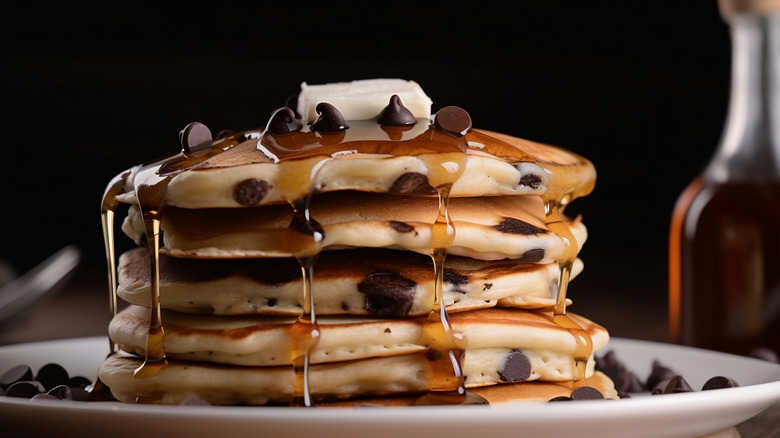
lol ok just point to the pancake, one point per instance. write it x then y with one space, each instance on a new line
495 395
377 255
491 339
497 165
398 380
487 228
229 385
376 282
247 360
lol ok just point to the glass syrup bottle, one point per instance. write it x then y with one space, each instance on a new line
724 244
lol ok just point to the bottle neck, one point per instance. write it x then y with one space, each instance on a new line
750 146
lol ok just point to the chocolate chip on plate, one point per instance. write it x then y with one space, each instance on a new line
25 389
677 384
79 382
625 380
16 374
61 392
44 396
51 375
719 382
764 353
658 374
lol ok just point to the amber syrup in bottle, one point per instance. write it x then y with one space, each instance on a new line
724 247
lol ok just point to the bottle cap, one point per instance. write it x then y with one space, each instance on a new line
729 8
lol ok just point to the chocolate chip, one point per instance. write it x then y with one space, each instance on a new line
677 384
329 119
80 394
62 392
560 398
532 255
283 121
625 380
515 226
412 183
659 387
44 396
433 354
530 180
658 374
454 120
764 354
587 393
516 367
274 271
25 389
719 382
251 191
195 137
395 113
387 293
100 392
51 375
401 227
15 374
307 226
79 382
455 278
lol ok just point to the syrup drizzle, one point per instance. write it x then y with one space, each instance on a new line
108 208
302 154
446 345
305 331
583 342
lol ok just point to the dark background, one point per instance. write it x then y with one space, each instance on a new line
640 88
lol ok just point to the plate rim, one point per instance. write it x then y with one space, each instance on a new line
752 399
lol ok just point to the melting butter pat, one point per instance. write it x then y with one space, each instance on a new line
362 99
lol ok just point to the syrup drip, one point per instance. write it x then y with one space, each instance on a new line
108 209
98 390
584 344
446 346
305 331
155 351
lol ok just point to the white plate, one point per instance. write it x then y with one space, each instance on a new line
668 416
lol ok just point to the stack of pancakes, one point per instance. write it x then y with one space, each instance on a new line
379 252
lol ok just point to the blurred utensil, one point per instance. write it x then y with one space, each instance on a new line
21 292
